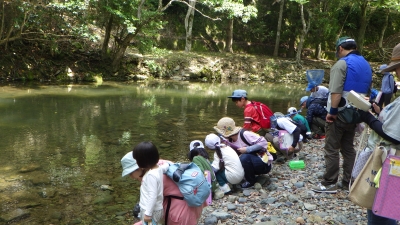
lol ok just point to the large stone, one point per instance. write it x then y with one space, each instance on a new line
14 215
103 198
221 215
29 168
310 207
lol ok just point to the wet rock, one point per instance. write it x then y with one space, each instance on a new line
29 168
106 187
14 215
47 193
103 198
39 179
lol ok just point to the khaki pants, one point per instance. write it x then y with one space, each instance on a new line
318 126
339 138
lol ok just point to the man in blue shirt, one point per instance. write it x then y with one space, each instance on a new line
350 72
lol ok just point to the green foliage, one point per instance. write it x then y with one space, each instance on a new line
154 68
236 9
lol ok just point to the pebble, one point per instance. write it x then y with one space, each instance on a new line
284 196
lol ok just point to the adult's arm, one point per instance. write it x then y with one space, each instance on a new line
376 125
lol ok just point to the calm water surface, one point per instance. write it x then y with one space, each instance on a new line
61 146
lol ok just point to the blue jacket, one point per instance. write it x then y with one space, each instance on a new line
359 73
315 108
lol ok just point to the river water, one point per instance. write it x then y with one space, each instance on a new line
61 146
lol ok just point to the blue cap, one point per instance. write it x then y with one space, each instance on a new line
238 94
382 67
310 86
303 99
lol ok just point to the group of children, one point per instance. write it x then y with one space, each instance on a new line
240 154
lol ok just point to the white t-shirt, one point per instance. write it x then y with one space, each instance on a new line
391 119
322 92
151 191
234 171
285 124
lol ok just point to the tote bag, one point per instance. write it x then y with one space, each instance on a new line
363 190
387 196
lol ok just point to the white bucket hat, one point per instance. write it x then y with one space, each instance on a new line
226 127
212 140
200 145
128 164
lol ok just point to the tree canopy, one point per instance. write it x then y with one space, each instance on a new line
111 28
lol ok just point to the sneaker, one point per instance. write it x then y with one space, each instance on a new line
332 188
226 189
246 184
318 136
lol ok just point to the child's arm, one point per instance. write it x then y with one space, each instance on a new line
149 184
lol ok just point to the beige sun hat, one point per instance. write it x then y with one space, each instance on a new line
395 60
226 127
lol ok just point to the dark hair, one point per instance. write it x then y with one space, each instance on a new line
219 154
146 154
238 99
197 151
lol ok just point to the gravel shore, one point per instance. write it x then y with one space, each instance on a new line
284 196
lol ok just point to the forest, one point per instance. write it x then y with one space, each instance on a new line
52 40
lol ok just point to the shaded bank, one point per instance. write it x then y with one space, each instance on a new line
32 63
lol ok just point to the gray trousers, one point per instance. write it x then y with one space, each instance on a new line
339 138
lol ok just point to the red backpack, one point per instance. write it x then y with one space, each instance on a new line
264 112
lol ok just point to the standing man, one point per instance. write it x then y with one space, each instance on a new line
350 72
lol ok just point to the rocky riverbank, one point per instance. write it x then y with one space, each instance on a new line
284 197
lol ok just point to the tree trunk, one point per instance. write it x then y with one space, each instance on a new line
363 26
292 40
303 34
189 25
229 36
123 45
317 54
380 43
107 36
278 30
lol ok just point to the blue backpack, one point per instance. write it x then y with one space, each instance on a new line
191 182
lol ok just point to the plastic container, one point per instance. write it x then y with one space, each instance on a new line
297 164
358 101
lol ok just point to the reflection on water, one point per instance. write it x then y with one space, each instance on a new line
61 145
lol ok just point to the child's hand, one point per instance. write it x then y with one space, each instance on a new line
147 218
242 150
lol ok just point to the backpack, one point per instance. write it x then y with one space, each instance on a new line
264 112
191 182
394 85
321 101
